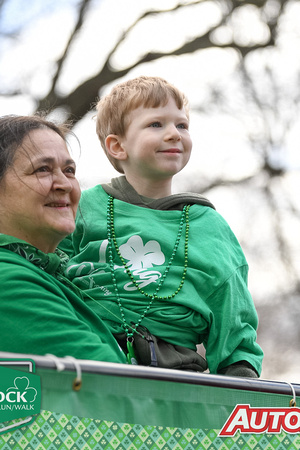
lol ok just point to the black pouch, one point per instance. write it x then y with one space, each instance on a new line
152 351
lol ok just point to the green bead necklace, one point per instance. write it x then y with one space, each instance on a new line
112 241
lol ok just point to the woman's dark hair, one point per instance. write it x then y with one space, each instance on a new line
13 130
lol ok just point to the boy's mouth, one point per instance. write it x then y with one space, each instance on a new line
171 150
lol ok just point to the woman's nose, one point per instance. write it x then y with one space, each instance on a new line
62 182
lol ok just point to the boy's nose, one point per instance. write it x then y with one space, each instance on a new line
173 133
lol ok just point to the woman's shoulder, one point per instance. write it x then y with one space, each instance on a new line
15 270
23 259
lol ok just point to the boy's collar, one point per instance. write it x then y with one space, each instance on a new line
120 189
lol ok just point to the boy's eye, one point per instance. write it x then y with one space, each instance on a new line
183 126
155 124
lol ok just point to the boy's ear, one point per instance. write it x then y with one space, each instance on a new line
114 147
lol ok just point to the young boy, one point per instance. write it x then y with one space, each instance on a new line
164 271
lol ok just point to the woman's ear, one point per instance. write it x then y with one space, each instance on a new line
114 147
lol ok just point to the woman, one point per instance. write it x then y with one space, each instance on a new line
41 312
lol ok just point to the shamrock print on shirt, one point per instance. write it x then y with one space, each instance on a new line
140 258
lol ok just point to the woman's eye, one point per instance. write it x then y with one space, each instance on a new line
42 169
70 170
155 124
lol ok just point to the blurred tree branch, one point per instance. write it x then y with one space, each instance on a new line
78 102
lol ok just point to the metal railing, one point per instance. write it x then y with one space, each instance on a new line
153 373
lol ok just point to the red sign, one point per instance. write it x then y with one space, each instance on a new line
262 420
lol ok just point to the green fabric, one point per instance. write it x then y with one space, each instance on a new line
214 306
40 315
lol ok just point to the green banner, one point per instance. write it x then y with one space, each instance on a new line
116 407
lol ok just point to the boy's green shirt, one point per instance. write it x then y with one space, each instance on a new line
214 307
40 314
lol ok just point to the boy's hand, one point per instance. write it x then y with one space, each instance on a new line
239 369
